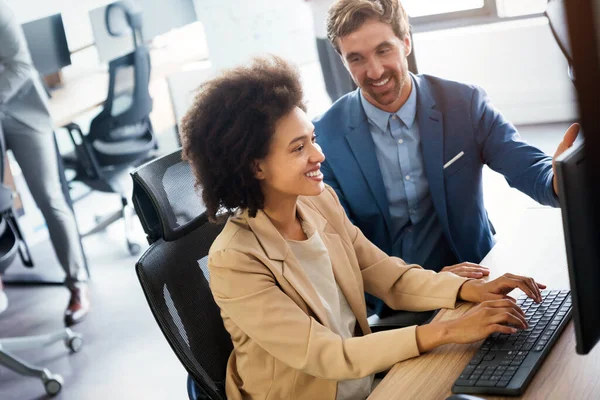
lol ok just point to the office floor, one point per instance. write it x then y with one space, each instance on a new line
125 355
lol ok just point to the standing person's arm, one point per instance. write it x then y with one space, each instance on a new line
13 74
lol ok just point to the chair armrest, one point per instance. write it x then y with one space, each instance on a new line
83 151
399 319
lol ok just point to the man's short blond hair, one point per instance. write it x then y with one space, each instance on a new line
347 16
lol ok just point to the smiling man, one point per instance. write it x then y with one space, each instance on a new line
405 152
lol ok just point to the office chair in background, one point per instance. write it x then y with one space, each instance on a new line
11 244
174 275
121 136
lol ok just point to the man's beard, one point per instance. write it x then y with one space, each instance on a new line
385 98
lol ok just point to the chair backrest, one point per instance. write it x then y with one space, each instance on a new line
165 198
555 12
173 271
126 112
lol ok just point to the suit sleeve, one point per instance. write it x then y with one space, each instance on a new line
401 286
524 166
248 295
13 74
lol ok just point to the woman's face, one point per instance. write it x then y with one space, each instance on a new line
292 166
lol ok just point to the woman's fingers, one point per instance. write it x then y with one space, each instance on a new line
527 285
501 329
505 304
509 316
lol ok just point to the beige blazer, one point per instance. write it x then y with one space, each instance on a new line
283 345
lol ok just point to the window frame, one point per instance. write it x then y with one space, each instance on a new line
487 14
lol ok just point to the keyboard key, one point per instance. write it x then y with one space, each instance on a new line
465 382
508 374
538 348
489 357
485 383
528 346
502 383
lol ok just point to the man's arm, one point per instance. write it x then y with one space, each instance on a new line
13 74
524 166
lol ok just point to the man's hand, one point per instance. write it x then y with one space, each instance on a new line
467 270
567 142
479 291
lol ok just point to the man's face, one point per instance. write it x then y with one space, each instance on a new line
376 59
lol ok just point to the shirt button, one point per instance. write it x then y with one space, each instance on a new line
400 141
407 177
394 116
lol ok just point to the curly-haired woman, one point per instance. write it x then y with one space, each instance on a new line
289 269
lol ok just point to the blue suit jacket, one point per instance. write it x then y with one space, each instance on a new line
452 118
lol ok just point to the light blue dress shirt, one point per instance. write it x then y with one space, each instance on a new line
416 229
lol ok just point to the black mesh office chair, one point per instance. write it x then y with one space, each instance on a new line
173 272
121 135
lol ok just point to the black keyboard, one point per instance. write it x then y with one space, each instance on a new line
505 364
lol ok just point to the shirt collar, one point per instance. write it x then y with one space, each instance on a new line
407 113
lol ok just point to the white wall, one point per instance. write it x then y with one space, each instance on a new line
518 63
236 30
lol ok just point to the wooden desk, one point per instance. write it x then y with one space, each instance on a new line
78 96
535 249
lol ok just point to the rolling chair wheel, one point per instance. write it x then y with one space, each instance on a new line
74 343
134 248
53 385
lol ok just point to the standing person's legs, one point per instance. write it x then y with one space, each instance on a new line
36 155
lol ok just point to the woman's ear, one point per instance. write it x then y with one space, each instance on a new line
257 169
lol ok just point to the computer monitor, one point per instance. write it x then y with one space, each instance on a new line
579 175
47 44
581 240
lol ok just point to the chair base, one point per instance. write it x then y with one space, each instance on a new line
126 212
52 382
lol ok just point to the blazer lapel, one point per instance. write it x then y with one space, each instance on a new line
345 276
277 249
362 146
431 127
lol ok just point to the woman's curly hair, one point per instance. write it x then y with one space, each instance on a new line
231 125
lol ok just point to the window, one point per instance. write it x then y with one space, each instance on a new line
514 8
442 14
420 8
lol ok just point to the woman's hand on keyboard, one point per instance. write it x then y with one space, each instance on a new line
491 316
478 291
